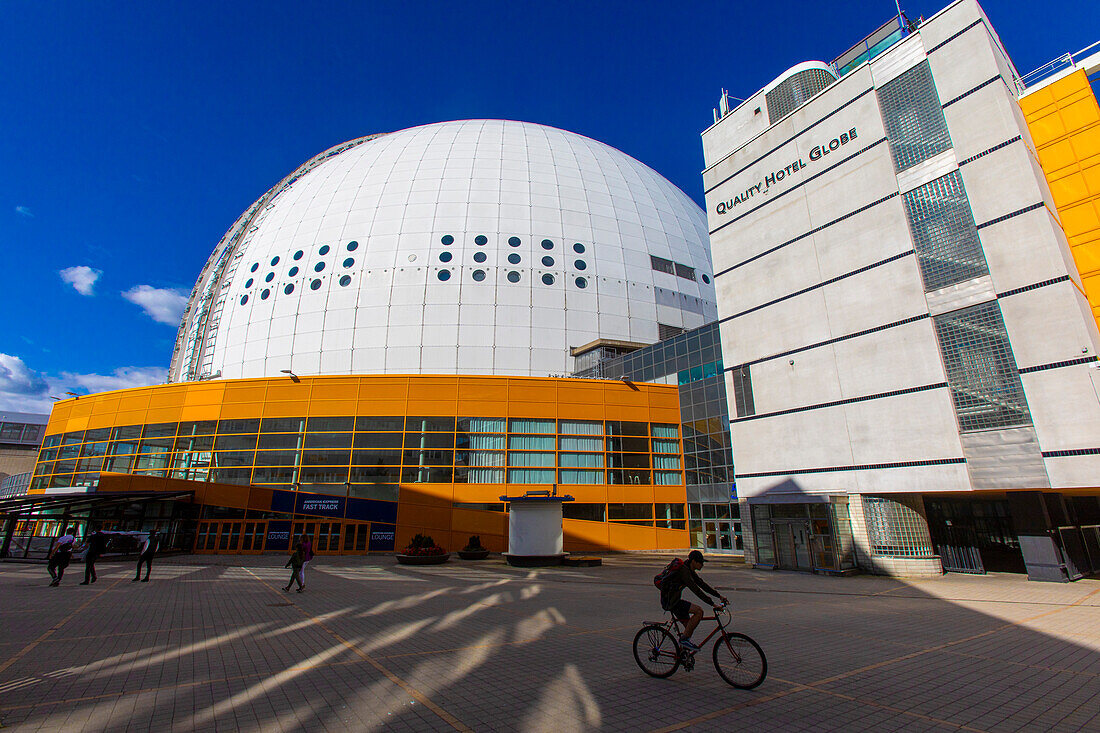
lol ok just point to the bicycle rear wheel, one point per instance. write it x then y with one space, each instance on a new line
740 661
656 652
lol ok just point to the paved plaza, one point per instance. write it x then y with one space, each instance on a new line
213 643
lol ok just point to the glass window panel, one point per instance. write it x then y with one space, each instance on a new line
419 441
191 443
376 424
72 451
198 427
628 476
531 425
427 475
531 442
159 430
430 424
431 457
322 475
479 475
669 511
661 430
378 440
128 432
280 440
76 437
531 476
587 512
630 444
94 449
620 427
666 446
329 424
233 442
238 426
375 474
273 475
276 457
482 424
381 457
794 91
380 492
97 434
629 511
581 460
667 463
530 459
581 444
328 440
326 457
232 458
51 440
580 476
486 442
231 476
580 427
282 424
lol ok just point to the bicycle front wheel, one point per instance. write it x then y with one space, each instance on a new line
656 652
740 661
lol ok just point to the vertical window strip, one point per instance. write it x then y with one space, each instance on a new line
981 369
913 117
944 234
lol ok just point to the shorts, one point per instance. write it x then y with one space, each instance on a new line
681 609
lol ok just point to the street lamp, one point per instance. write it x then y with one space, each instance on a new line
293 376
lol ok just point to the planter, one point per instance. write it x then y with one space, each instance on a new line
473 554
533 561
422 559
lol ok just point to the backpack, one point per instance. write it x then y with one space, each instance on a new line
671 569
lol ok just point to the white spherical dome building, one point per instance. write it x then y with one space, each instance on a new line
468 247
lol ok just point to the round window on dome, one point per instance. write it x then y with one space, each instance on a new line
480 256
513 277
298 254
547 244
580 265
514 258
444 256
481 240
269 277
323 250
255 266
581 283
548 279
274 260
248 283
289 289
513 241
319 266
293 271
264 294
352 246
349 262
345 281
244 299
444 275
447 239
548 261
578 248
479 275
316 284
706 279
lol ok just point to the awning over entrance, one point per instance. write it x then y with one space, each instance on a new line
75 503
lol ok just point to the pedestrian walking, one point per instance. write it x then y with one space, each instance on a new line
148 549
295 565
60 555
306 545
95 544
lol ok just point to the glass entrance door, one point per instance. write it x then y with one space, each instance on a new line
792 545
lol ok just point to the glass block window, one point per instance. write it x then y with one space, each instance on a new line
981 370
742 391
894 529
944 234
913 117
684 271
794 91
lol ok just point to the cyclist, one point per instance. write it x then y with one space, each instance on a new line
687 576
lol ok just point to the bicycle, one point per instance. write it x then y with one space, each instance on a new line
739 660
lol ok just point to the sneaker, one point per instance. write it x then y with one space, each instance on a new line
144 580
286 589
85 583
55 583
301 589
689 645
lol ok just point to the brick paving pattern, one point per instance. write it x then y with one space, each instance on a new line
212 643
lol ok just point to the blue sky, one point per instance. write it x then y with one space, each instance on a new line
133 134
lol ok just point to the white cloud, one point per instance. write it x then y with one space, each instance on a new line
24 211
23 389
81 277
121 378
163 305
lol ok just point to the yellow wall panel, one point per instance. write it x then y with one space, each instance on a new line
582 536
132 400
285 389
629 537
477 389
285 408
335 389
481 408
241 410
130 417
427 494
672 539
380 407
255 393
483 493
419 515
200 412
332 408
163 414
